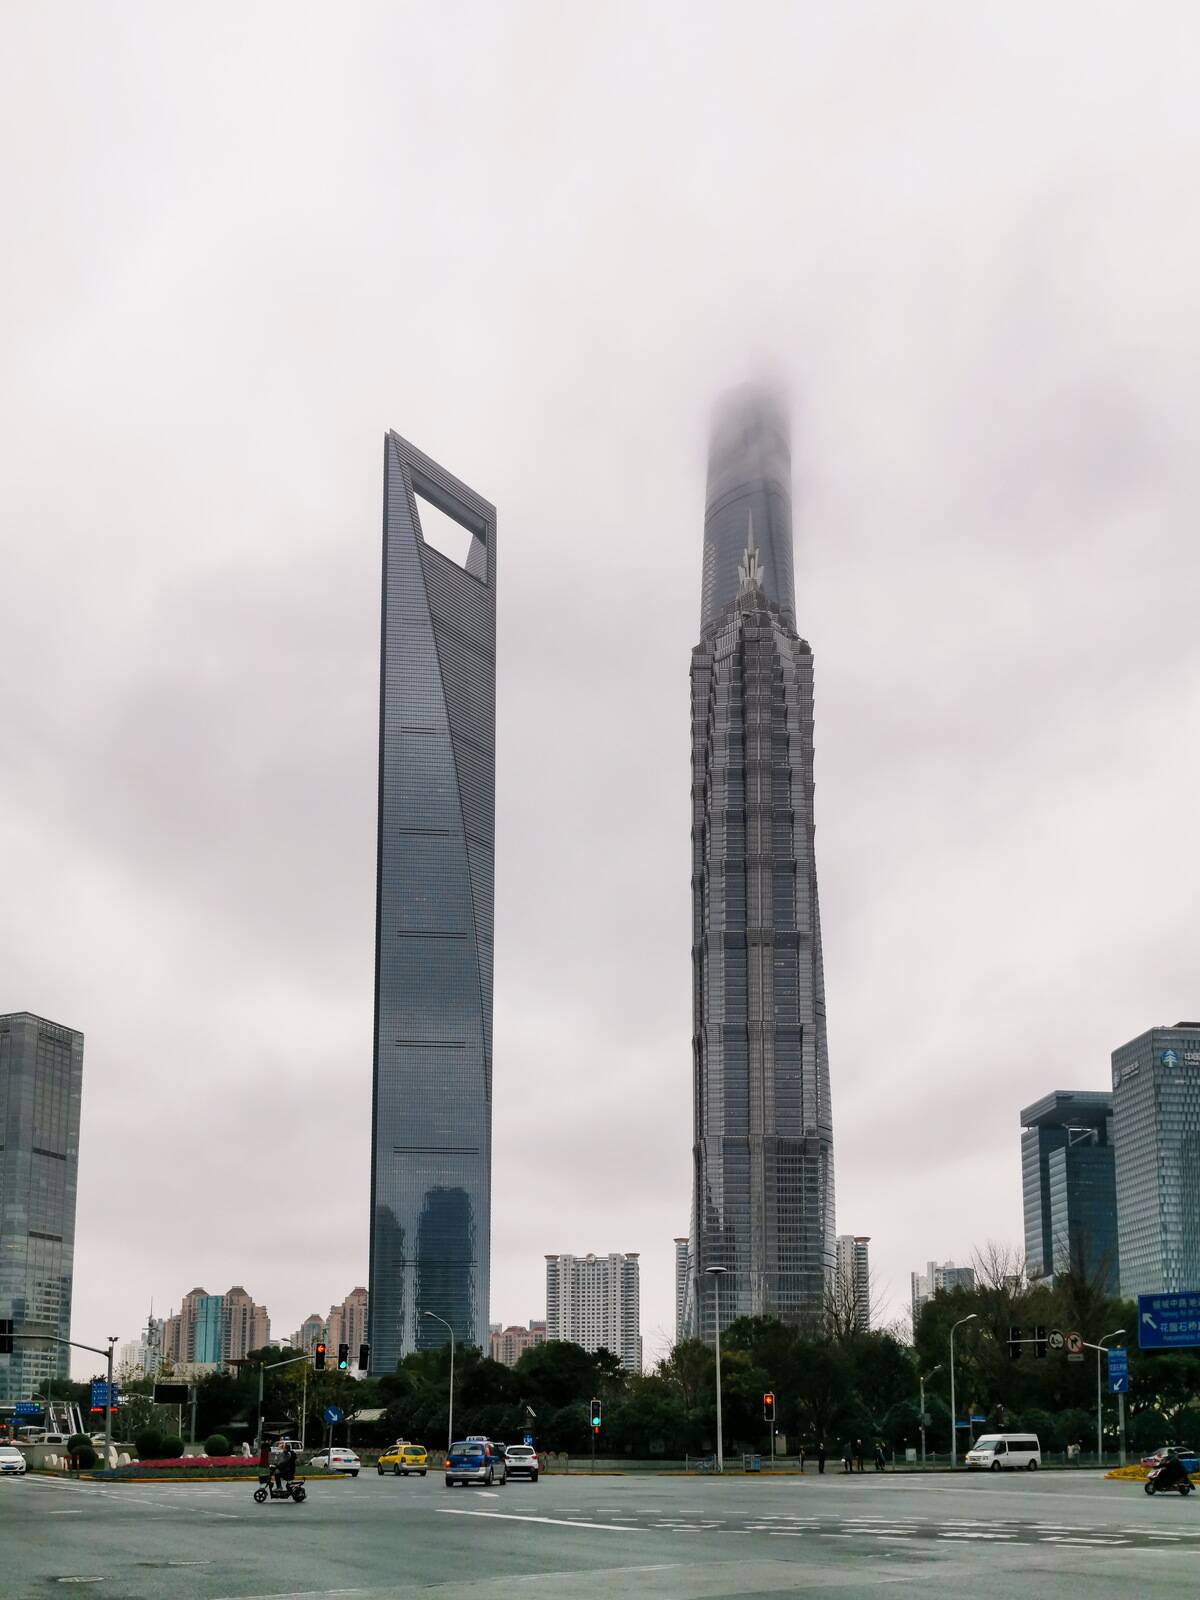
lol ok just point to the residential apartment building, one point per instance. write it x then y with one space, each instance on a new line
508 1345
852 1281
245 1325
938 1278
594 1301
347 1324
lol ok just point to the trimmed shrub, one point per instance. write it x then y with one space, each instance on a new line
216 1445
172 1447
148 1444
77 1441
85 1457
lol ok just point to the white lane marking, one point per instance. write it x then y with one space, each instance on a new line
510 1516
74 1512
488 1494
1057 1538
965 1535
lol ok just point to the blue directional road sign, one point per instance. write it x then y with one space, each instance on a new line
1118 1371
100 1395
529 1439
1169 1321
333 1414
28 1408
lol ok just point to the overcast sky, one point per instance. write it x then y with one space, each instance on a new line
538 240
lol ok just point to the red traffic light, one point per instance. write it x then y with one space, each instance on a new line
319 1357
768 1399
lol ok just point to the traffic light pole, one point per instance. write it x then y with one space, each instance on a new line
270 1366
108 1354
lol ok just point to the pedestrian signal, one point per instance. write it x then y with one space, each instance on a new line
343 1357
319 1357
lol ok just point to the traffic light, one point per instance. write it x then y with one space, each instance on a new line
319 1357
1039 1345
343 1357
364 1356
6 1337
1014 1344
597 1414
768 1407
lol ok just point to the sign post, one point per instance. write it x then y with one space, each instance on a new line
1169 1321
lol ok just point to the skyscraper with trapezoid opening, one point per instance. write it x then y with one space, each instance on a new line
762 1203
432 1100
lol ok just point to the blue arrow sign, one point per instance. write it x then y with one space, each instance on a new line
333 1414
1169 1321
1118 1370
529 1439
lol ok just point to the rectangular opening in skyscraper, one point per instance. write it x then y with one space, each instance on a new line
448 530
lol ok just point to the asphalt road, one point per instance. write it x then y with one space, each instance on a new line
1066 1535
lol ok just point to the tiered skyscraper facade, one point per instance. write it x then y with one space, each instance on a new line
763 1196
432 1110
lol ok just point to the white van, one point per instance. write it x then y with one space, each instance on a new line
995 1451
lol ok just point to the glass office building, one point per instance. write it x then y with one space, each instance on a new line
41 1080
432 1102
763 1203
1156 1123
1068 1181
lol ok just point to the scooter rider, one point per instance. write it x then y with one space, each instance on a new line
285 1471
1169 1473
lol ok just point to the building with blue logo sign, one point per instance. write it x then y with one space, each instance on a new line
1156 1128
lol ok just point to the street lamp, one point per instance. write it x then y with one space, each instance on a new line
716 1274
923 1382
450 1430
953 1411
1115 1334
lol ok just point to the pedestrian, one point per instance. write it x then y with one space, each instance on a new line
879 1461
801 1460
847 1457
858 1453
821 1456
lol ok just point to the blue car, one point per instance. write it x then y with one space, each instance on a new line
475 1461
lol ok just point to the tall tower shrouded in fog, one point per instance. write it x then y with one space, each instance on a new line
762 1204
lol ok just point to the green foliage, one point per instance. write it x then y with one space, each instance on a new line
217 1444
77 1440
149 1444
84 1457
172 1447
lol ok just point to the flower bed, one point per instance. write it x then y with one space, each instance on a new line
194 1463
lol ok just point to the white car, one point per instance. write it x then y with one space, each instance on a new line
520 1460
336 1460
12 1462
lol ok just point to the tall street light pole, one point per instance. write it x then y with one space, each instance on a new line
953 1410
450 1430
716 1274
924 1381
1115 1334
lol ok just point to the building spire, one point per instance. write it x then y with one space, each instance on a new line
750 571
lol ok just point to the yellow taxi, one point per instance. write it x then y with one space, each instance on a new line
404 1458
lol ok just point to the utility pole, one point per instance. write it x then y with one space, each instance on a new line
716 1274
923 1382
974 1317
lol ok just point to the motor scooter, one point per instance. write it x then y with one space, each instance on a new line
1170 1473
293 1489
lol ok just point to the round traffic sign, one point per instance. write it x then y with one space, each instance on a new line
1074 1344
1055 1339
333 1414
